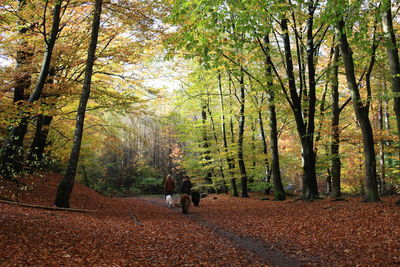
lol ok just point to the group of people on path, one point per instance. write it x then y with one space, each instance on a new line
169 185
187 195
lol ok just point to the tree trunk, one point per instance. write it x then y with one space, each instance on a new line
312 178
231 160
221 168
393 56
206 146
35 155
242 166
12 154
310 188
381 149
335 158
279 192
253 148
361 114
38 145
66 185
265 150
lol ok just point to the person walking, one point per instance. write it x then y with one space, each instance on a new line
169 185
186 186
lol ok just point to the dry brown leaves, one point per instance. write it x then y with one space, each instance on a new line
318 233
109 237
324 233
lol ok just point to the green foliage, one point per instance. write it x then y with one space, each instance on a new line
149 185
132 128
259 186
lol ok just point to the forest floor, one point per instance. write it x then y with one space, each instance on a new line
222 231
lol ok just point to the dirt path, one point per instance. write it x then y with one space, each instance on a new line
266 251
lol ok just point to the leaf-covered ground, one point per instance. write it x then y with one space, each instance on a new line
321 233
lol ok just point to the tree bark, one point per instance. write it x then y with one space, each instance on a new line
235 192
221 168
35 156
66 185
381 150
310 188
265 150
361 111
242 117
206 145
279 192
335 141
393 57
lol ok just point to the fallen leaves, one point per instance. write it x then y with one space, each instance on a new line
109 237
317 233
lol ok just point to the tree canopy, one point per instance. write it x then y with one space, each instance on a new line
243 96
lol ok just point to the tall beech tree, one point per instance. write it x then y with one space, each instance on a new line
206 146
242 118
66 185
361 112
335 161
229 159
279 192
12 154
215 137
305 131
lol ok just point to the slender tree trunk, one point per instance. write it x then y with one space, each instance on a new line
242 117
223 128
12 154
279 192
335 142
66 185
381 149
206 146
253 148
393 56
265 151
235 192
362 116
221 168
312 180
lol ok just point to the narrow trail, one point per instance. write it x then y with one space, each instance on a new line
262 249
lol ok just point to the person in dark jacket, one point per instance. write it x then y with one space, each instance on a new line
186 186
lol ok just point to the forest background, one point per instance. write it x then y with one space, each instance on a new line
240 95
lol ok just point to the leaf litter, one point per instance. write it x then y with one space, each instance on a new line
320 233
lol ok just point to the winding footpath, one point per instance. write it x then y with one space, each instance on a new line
267 252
